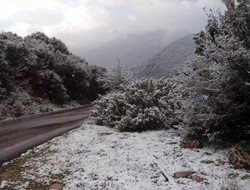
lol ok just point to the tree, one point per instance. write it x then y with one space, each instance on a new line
97 82
218 77
115 77
42 69
49 85
53 43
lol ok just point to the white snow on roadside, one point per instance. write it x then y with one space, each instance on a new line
97 157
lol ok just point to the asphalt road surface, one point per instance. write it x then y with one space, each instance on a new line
19 135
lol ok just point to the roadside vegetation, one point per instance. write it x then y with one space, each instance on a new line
206 103
39 74
212 88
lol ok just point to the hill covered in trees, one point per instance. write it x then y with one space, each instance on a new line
166 61
38 69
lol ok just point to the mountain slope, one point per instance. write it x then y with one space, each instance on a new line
130 50
164 63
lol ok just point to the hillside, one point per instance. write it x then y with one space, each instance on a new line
166 61
37 71
131 49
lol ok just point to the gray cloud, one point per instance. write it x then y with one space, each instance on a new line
38 18
42 17
88 23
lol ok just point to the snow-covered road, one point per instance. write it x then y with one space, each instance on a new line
97 157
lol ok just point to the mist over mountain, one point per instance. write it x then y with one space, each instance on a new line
131 50
166 61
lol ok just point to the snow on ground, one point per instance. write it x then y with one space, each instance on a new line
97 157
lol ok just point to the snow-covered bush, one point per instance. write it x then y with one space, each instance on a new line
137 106
18 103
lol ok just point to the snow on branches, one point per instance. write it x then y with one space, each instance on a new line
138 106
217 76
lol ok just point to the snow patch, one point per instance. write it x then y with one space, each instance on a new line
97 157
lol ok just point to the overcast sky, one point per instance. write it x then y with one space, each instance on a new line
88 22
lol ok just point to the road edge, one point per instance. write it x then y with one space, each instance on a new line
22 118
16 150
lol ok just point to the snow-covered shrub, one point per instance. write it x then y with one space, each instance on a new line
137 106
18 103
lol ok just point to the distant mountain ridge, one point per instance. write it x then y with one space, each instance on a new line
165 62
130 50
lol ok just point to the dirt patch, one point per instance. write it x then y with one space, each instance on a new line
11 172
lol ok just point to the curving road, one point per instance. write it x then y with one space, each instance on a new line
19 135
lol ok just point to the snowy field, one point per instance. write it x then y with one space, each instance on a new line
97 157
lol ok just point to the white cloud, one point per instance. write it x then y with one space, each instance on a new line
22 28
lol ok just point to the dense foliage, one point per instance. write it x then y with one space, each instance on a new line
213 86
40 68
137 106
217 78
